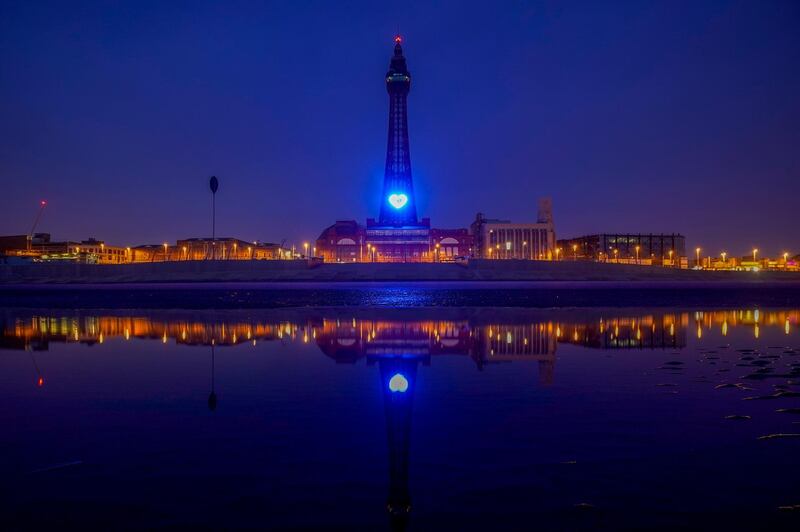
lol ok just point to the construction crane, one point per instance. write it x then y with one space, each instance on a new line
42 205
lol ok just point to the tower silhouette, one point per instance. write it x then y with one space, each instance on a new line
398 375
398 207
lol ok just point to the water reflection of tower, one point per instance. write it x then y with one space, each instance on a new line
398 380
212 397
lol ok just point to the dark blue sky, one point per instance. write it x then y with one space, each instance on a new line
633 116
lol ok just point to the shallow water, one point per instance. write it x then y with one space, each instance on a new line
423 418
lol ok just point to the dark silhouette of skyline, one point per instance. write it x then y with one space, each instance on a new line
665 116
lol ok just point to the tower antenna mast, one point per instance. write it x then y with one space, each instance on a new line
42 205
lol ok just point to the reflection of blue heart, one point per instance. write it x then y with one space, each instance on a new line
398 383
398 200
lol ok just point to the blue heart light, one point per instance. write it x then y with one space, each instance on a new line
398 201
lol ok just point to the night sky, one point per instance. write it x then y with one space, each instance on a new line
633 116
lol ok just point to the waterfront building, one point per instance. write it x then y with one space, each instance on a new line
503 239
668 249
42 249
397 235
224 248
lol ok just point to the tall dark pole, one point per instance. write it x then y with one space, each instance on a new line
213 183
212 397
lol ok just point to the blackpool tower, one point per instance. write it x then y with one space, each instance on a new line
398 207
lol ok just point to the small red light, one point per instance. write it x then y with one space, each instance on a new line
40 382
43 202
398 39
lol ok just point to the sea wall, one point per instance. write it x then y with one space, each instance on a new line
304 271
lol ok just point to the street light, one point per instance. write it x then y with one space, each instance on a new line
697 252
558 250
670 257
755 252
165 251
437 252
785 257
616 253
575 251
305 247
723 255
637 254
524 250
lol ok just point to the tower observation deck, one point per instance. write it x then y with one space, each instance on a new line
398 205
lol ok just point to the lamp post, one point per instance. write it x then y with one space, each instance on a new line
785 257
165 251
616 255
637 254
213 184
305 248
670 258
524 249
755 253
437 252
723 255
185 253
575 251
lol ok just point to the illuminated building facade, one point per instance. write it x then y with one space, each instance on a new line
43 249
397 235
225 248
502 239
631 248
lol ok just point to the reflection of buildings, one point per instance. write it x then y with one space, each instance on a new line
347 340
645 332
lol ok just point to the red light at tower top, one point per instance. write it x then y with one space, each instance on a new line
43 203
398 39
